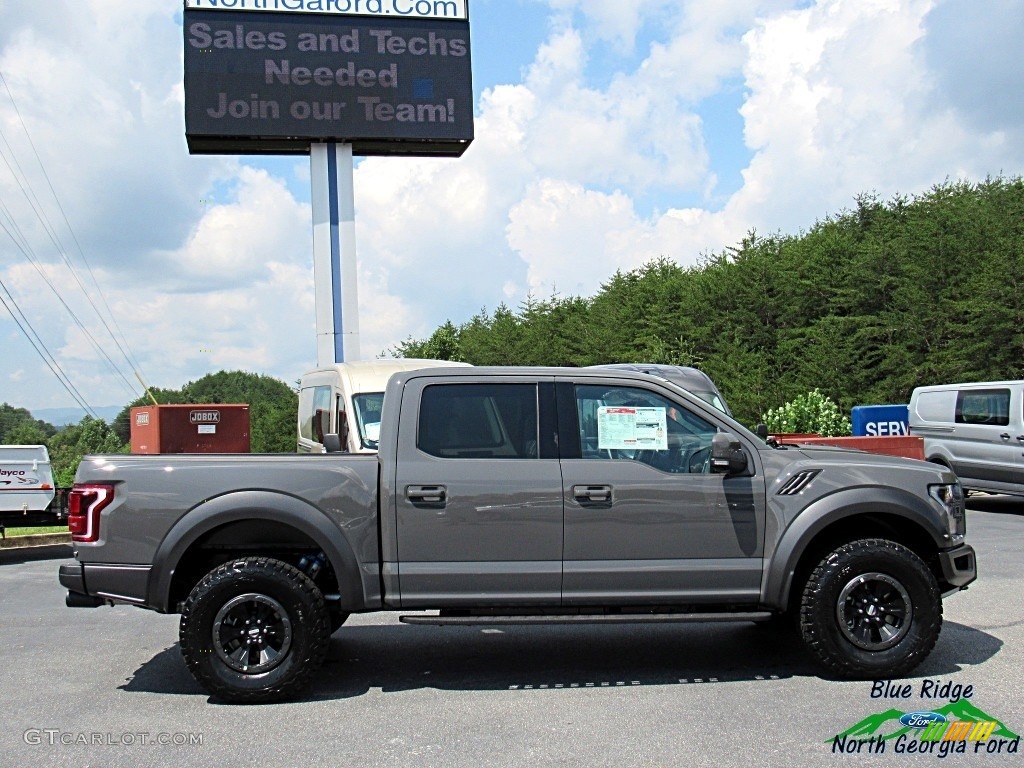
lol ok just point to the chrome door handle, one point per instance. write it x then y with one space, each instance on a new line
426 494
1020 438
598 493
1005 435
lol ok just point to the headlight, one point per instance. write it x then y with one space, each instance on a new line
951 499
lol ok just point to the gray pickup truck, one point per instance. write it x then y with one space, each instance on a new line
522 496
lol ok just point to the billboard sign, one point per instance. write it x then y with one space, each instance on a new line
389 83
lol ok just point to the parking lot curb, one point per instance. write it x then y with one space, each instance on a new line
35 540
40 546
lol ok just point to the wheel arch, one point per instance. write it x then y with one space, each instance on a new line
241 524
828 523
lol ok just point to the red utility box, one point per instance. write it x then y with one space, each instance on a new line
190 429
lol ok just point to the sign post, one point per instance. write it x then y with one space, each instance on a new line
332 79
334 253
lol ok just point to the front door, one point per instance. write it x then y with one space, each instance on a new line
646 522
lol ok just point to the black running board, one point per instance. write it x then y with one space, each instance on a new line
609 618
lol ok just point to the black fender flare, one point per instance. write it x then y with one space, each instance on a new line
244 506
779 569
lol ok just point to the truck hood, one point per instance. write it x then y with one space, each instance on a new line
833 454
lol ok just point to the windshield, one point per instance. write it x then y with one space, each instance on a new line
367 407
711 398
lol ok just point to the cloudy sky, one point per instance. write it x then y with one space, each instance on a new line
608 133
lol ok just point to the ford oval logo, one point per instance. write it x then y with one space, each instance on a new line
922 719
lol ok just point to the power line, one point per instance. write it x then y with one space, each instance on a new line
132 362
40 347
26 251
23 245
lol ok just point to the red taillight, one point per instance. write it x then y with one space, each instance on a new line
85 502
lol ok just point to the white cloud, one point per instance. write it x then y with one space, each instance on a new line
99 99
615 21
571 237
841 103
241 241
629 134
973 53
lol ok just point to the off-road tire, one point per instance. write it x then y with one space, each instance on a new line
870 609
261 601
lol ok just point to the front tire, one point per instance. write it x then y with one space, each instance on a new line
871 609
254 630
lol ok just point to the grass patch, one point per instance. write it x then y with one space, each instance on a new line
36 529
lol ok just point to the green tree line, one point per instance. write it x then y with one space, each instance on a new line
864 306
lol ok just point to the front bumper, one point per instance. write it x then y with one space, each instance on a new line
959 566
93 584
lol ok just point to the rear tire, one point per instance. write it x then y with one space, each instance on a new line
871 609
254 630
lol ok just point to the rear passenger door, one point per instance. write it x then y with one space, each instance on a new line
479 493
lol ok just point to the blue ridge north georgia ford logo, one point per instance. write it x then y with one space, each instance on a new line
956 727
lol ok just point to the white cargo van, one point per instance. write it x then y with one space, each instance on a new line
975 429
346 399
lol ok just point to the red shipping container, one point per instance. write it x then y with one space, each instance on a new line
214 428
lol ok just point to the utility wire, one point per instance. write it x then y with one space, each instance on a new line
26 190
51 231
126 351
26 251
21 242
40 348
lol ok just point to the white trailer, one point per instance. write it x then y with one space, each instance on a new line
26 480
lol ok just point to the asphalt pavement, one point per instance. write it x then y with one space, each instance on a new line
107 687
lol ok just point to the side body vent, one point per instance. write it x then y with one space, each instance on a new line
798 482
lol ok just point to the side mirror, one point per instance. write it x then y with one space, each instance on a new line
727 455
761 430
332 443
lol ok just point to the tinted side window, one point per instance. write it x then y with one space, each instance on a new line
983 406
478 421
321 413
629 423
312 400
368 408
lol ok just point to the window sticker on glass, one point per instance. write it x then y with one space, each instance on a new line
621 428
